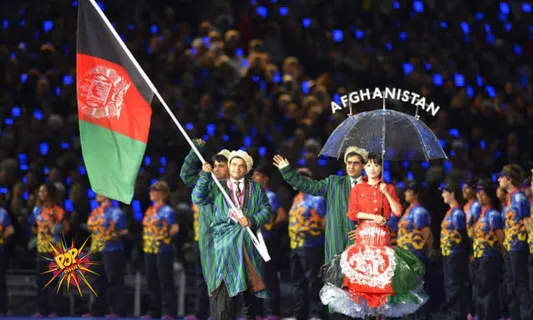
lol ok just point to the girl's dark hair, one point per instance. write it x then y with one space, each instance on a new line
375 158
52 192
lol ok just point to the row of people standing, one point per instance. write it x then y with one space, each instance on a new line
108 228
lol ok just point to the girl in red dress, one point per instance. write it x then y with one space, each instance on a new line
377 279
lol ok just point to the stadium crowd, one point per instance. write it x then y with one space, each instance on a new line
261 76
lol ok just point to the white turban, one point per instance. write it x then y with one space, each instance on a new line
362 152
244 156
224 153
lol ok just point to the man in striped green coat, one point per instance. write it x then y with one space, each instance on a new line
237 269
204 255
336 190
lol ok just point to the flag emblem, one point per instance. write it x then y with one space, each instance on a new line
101 92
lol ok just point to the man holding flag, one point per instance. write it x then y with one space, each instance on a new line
202 233
238 271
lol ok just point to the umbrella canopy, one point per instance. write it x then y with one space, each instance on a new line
401 136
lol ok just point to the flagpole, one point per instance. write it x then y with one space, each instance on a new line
258 241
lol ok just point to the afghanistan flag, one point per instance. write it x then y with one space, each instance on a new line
113 106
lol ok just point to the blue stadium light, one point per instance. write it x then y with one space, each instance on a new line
442 143
518 50
239 52
262 86
94 205
101 5
504 8
153 29
115 203
12 55
491 91
447 166
403 36
428 66
253 131
497 155
48 25
454 133
22 23
301 162
243 148
23 78
153 181
67 80
340 173
3 190
277 77
465 27
23 167
131 26
274 1
405 164
38 114
388 45
488 28
418 6
262 11
337 98
46 170
147 160
58 91
410 176
64 145
262 151
5 23
479 81
483 144
161 170
305 87
8 121
508 27
245 63
359 34
189 126
386 175
283 11
459 80
225 138
396 4
253 2
470 92
211 128
407 68
247 141
526 7
386 165
322 162
480 16
44 148
15 111
23 157
306 22
205 137
437 80
494 178
75 3
338 35
444 25
69 206
425 165
163 161
91 194
137 211
255 78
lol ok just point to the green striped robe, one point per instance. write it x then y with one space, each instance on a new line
336 190
230 239
189 175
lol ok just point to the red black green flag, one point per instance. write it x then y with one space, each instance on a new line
113 106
